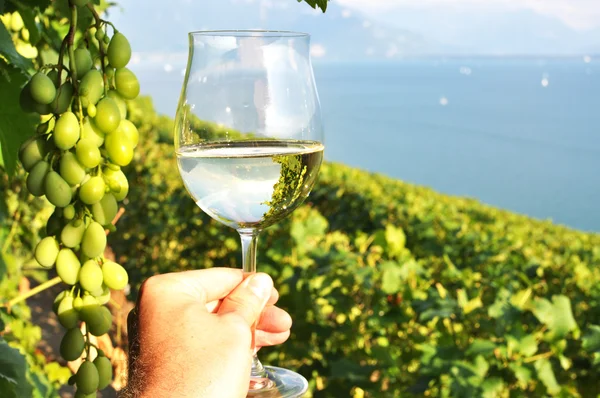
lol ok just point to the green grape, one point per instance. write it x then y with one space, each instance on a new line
69 212
105 210
119 148
35 179
42 89
57 190
88 153
94 242
66 131
80 3
58 299
105 371
103 297
91 110
83 62
101 323
108 115
78 303
53 75
72 233
71 381
92 132
110 75
127 84
120 102
92 191
92 85
128 129
79 394
70 169
90 305
99 34
115 276
16 22
72 345
25 34
119 51
44 109
87 378
46 251
31 152
43 128
68 266
54 224
63 99
97 293
90 310
90 276
116 179
67 314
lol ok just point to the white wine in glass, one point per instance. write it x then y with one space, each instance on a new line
249 142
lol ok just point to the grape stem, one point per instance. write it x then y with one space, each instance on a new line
70 41
88 344
61 55
102 55
34 291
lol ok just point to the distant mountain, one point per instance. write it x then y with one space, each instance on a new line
461 29
161 27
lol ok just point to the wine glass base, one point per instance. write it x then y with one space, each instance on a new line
279 383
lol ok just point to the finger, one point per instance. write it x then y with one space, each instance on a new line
266 339
213 306
204 285
248 299
274 297
274 320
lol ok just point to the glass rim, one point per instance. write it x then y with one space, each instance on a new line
247 33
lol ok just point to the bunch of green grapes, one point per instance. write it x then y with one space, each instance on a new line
20 34
75 160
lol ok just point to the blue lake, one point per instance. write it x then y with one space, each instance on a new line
521 134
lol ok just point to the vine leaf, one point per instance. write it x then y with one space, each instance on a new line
41 4
8 51
13 369
322 4
15 125
28 15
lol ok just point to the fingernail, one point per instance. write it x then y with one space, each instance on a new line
261 285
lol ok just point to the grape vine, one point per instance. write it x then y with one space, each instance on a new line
64 80
75 159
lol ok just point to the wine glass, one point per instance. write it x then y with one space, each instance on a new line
249 143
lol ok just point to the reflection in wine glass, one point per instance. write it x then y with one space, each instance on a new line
249 142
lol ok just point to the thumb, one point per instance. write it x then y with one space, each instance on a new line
248 299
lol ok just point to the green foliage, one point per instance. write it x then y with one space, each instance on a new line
322 4
21 218
12 372
9 52
15 125
395 290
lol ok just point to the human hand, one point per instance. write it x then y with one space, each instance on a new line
190 334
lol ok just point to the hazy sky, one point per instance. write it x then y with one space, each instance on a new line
577 14
379 27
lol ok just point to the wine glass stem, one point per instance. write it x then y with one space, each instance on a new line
249 239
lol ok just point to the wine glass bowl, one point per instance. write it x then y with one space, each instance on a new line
249 143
